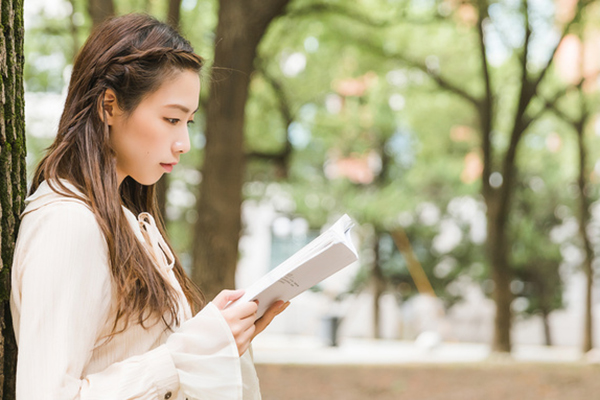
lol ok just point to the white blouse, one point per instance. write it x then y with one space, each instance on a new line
63 308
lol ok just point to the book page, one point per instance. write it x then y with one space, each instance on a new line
325 255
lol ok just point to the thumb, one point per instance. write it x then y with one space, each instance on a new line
226 296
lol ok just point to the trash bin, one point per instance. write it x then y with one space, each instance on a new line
330 325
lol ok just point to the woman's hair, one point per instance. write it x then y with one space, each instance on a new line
132 55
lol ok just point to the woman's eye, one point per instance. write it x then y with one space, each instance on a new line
172 121
190 122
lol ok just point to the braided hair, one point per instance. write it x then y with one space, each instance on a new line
132 55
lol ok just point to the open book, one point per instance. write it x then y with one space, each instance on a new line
319 259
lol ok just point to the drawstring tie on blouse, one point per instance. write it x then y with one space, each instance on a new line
164 259
156 245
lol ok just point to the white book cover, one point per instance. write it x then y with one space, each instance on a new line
328 253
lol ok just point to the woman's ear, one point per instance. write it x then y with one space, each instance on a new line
108 106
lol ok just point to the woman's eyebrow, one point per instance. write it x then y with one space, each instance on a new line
181 107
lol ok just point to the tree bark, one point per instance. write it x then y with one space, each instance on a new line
74 32
547 334
162 186
13 183
501 276
174 13
99 10
239 30
584 217
496 200
378 288
584 203
280 159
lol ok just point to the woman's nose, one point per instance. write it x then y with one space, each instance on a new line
183 144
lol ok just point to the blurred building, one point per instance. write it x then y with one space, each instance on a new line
469 321
268 239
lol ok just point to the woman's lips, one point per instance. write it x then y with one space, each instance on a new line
167 167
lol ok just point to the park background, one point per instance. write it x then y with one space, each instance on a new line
461 136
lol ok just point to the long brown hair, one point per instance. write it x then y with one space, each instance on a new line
132 55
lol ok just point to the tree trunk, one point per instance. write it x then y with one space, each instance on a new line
13 183
99 10
497 250
162 186
546 321
239 30
498 199
496 243
74 32
378 288
584 217
174 13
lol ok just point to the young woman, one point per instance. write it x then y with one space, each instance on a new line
102 308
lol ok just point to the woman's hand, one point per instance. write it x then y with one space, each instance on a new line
276 308
242 317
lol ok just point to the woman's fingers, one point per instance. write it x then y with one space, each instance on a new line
225 297
276 308
241 311
244 339
240 319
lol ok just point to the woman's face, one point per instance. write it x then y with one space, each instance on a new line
150 140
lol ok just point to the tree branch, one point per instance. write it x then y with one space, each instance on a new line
550 105
280 157
441 82
519 125
486 108
525 96
284 103
348 12
581 5
576 123
529 89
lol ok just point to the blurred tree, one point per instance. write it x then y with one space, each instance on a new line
240 28
418 144
579 125
13 184
74 30
542 287
99 10
538 286
280 157
49 47
578 115
162 186
379 283
497 114
584 218
174 13
507 99
353 151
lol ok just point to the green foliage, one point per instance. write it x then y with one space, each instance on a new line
536 258
351 88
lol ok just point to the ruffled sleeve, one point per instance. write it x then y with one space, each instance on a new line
203 348
206 357
249 376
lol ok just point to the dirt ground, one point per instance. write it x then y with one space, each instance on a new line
485 381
